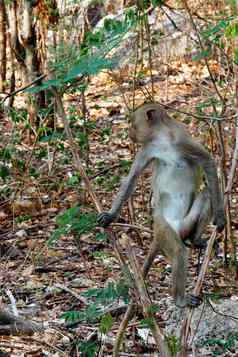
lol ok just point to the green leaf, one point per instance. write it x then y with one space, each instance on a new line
147 322
44 86
216 29
89 66
90 314
72 221
67 216
232 30
236 56
154 308
110 293
5 154
74 180
4 172
232 3
72 316
90 57
84 223
49 138
106 323
101 236
173 344
25 218
56 235
156 3
203 54
88 348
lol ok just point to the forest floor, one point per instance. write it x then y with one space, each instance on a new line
47 281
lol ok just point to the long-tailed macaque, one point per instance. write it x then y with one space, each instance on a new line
181 207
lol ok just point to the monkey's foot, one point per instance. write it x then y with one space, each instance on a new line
193 301
196 244
190 300
199 244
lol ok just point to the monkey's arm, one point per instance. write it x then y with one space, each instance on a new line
195 153
142 159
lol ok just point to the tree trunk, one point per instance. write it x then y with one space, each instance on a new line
3 41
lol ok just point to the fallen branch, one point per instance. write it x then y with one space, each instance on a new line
137 280
16 325
146 304
189 313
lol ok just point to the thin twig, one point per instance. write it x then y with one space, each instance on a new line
73 293
8 95
202 48
74 149
132 226
234 160
189 313
146 304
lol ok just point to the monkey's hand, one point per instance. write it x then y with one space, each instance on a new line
220 220
105 218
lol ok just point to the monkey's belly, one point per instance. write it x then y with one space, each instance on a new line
172 208
174 188
174 185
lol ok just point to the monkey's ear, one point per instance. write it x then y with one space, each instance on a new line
151 115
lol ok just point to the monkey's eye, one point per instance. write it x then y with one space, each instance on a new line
151 115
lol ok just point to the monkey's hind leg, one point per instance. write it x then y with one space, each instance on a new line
167 241
153 252
197 220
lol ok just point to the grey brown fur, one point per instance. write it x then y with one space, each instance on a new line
181 210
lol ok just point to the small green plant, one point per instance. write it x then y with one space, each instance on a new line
111 292
4 172
106 323
101 236
87 348
105 133
89 314
69 62
25 218
74 180
73 221
147 322
221 345
5 157
95 311
101 255
173 344
125 165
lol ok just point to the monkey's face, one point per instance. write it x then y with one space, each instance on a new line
132 134
141 129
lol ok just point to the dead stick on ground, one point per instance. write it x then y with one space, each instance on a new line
131 308
17 325
146 303
188 317
137 281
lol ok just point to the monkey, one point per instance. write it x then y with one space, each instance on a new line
181 210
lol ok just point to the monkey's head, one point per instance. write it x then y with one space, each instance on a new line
145 122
